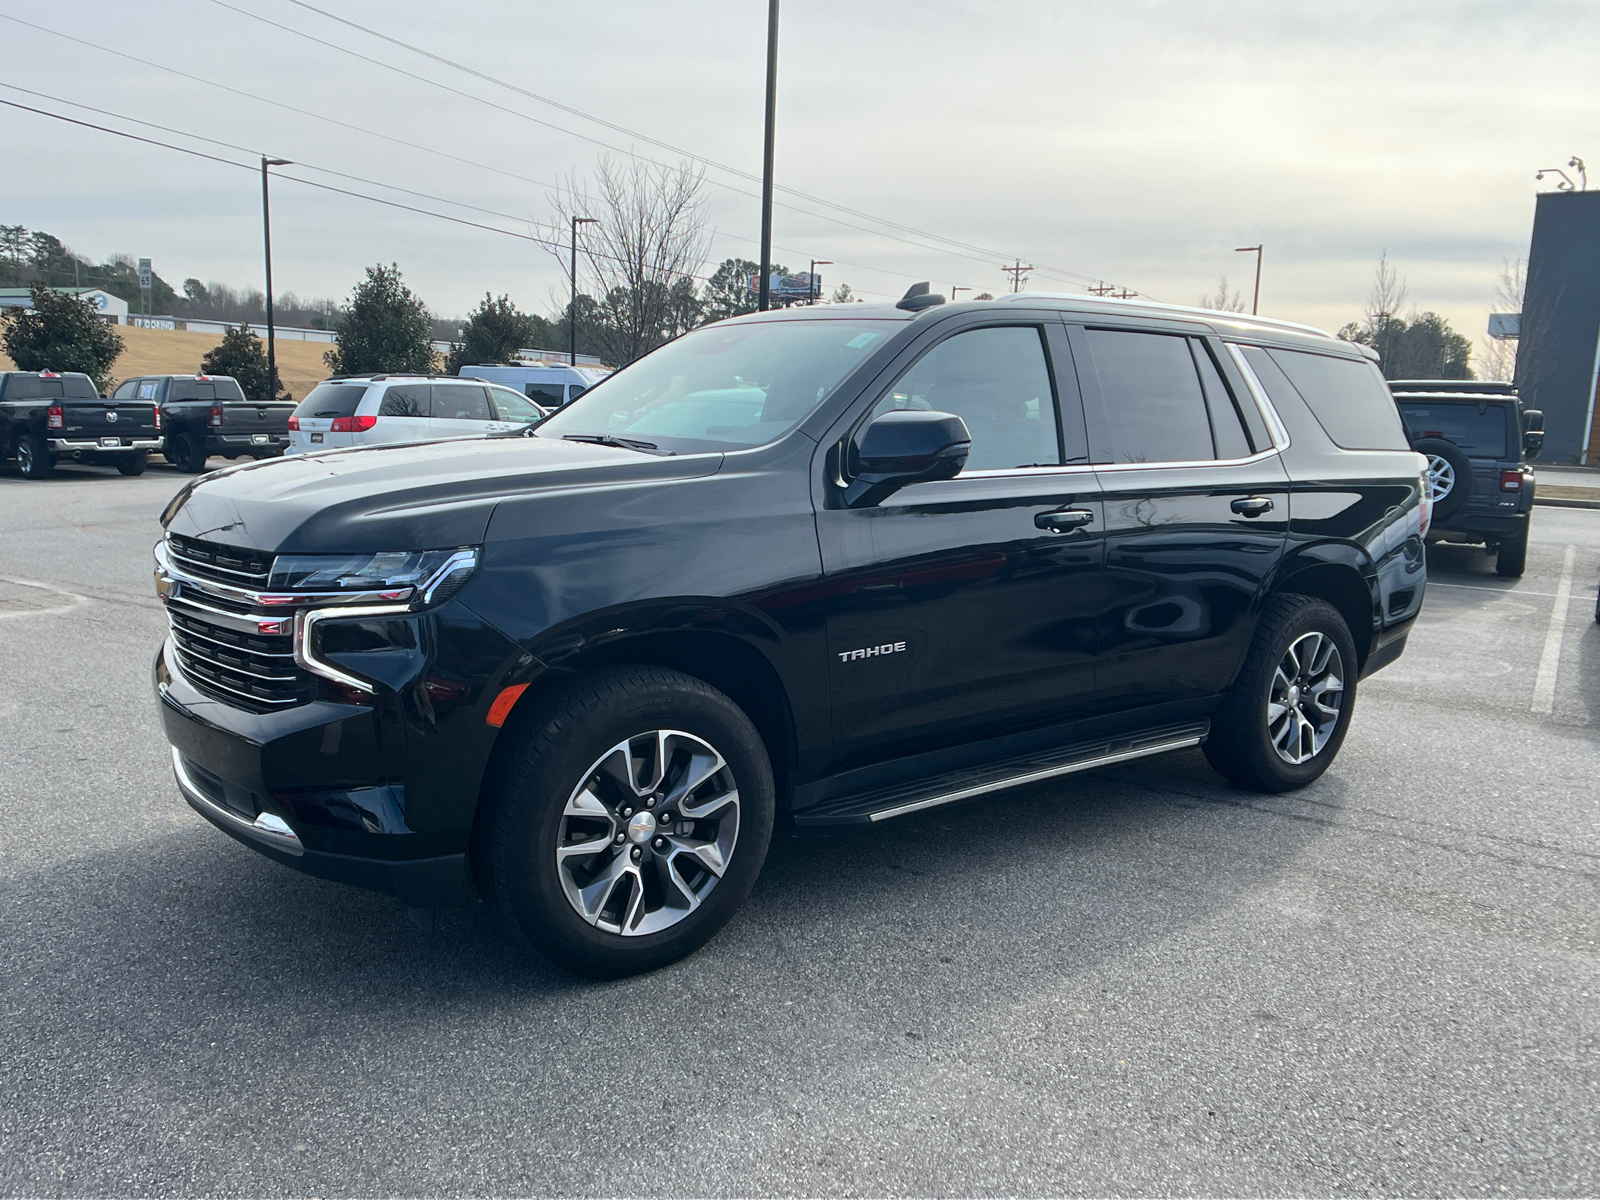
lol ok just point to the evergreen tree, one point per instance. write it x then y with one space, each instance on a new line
494 332
386 329
242 356
727 293
60 333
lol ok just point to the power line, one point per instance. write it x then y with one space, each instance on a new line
978 253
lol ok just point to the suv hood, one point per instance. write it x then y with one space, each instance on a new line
426 496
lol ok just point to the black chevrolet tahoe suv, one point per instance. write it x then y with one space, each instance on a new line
47 416
804 570
202 415
1478 440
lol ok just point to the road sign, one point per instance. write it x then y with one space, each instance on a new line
144 273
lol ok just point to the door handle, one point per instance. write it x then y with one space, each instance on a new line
1251 506
1064 521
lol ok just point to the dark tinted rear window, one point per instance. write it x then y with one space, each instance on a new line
1348 397
204 389
547 394
1480 430
26 386
332 400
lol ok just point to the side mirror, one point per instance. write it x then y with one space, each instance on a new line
1533 435
905 446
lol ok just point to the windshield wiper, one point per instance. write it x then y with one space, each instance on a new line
606 439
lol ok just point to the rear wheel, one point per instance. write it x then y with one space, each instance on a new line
33 457
1285 718
1512 560
132 464
187 453
630 823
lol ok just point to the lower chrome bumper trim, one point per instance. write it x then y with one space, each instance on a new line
268 828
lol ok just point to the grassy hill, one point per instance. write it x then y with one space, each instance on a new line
178 352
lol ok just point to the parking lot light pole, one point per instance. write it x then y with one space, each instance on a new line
1255 303
765 293
816 293
572 308
266 237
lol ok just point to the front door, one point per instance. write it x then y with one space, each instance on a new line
1196 513
956 612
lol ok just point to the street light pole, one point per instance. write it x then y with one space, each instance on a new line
765 292
954 289
572 308
811 285
1255 303
266 238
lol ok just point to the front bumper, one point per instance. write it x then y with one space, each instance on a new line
103 445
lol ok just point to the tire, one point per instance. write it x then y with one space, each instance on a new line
132 464
33 457
1245 733
1512 560
570 778
187 453
1451 471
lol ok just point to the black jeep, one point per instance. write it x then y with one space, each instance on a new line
1478 439
808 570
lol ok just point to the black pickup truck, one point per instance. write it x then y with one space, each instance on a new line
46 416
203 415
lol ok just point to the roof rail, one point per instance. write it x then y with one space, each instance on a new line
1211 314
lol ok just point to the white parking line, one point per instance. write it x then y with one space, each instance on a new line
1544 683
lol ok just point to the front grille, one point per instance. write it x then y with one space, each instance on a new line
246 670
224 564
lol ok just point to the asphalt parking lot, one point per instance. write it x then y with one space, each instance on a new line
1135 982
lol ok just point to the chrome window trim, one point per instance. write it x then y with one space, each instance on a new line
1026 472
1190 462
305 625
1275 425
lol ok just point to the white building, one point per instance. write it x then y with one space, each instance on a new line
110 307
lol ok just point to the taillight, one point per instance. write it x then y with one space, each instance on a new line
54 418
158 417
216 414
352 424
1425 486
1510 481
294 424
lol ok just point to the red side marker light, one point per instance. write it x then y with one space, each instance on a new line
504 703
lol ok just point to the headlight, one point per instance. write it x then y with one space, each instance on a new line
435 574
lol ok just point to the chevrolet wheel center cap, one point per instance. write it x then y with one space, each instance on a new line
641 828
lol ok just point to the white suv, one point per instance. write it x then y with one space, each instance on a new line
383 410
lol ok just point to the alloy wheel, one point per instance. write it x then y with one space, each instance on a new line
1441 477
25 456
1306 698
648 833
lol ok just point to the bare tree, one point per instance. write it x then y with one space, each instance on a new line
641 255
1497 357
1222 301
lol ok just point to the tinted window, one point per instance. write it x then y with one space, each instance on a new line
997 381
409 400
1348 397
148 388
737 384
79 387
546 394
1479 429
1155 410
508 406
460 402
31 387
125 392
1227 431
331 400
574 391
204 389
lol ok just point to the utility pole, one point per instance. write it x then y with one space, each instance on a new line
765 301
572 307
954 289
1018 273
1255 303
1101 289
266 238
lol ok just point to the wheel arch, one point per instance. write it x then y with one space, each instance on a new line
1339 580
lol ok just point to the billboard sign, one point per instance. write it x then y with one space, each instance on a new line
800 286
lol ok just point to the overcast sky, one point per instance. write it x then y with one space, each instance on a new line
1138 142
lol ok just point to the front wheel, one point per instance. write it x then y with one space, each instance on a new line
630 822
1284 719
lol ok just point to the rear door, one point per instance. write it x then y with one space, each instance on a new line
1196 511
461 410
955 612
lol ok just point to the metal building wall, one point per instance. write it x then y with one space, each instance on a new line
1560 332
